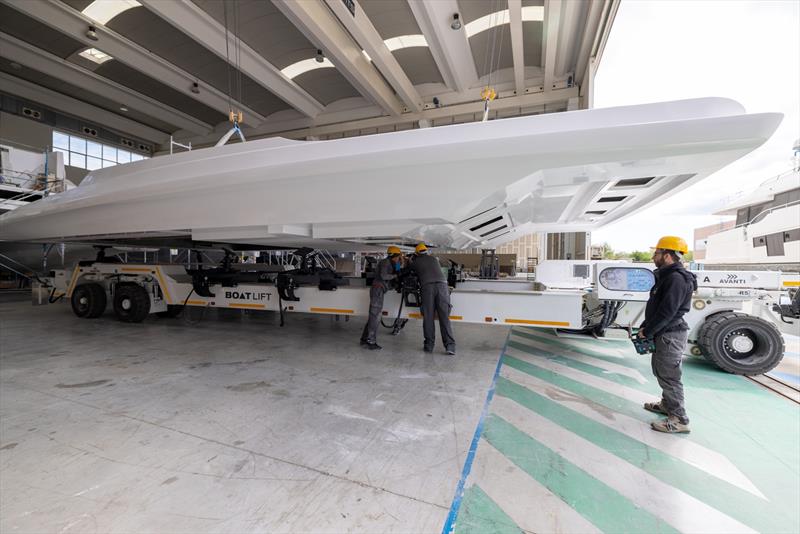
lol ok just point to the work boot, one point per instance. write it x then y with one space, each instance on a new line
655 407
363 342
373 346
426 348
451 350
670 425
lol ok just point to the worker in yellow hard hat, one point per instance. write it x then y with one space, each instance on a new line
435 299
386 271
670 299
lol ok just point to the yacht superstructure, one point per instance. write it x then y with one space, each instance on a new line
767 231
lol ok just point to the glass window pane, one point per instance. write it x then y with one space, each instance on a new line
60 140
94 163
77 160
136 157
94 149
76 144
110 153
107 163
123 156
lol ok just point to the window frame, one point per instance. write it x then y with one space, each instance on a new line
74 150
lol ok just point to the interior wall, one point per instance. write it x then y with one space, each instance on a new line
33 135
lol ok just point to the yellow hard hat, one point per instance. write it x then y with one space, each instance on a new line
393 250
671 242
421 248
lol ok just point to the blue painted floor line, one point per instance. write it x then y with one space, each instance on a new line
450 523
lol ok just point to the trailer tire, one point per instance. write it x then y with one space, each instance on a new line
172 311
131 303
88 300
741 344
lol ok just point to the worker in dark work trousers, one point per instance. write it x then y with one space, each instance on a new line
386 271
435 299
670 299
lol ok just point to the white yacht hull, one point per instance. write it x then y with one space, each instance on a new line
467 185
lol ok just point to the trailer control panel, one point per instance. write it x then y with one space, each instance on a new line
624 282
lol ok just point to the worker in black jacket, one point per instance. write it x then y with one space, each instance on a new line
435 299
670 299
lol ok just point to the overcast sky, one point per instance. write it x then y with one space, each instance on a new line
669 50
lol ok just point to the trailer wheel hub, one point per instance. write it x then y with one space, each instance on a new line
740 342
126 304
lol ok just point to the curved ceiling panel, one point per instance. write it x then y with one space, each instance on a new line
267 31
150 31
391 17
326 85
491 50
418 64
532 33
475 9
132 78
79 93
37 34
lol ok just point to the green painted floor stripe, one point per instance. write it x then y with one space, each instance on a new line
603 398
577 345
600 504
582 366
479 514
717 493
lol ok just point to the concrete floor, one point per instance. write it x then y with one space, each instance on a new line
231 424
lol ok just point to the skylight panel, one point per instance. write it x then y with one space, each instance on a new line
405 41
104 10
487 22
95 55
301 67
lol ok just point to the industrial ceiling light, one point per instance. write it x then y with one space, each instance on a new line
123 108
91 33
320 58
196 88
95 55
456 24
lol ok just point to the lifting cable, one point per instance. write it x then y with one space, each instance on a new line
490 61
233 68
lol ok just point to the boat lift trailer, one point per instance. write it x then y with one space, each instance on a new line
736 318
507 302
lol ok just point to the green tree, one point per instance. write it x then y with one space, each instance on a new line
608 252
638 255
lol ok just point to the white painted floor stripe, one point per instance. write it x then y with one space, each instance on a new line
679 447
528 503
625 392
573 354
611 348
673 506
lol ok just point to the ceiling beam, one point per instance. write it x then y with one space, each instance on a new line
361 28
552 18
320 26
36 58
64 19
517 50
78 108
205 30
450 48
298 130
